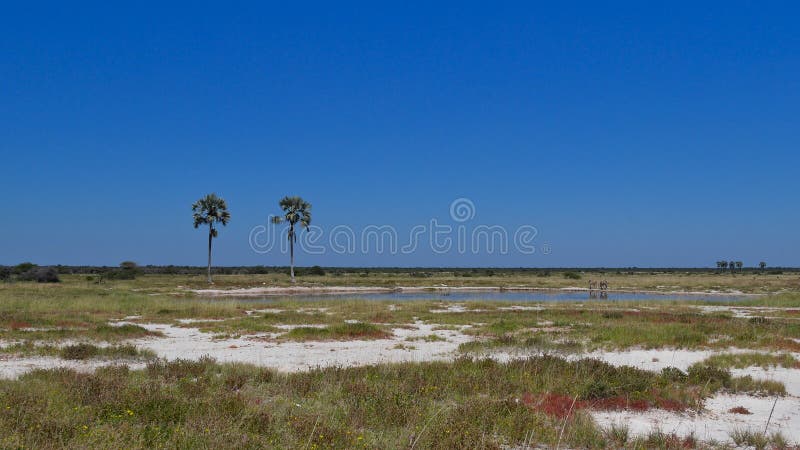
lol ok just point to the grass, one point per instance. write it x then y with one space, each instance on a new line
338 332
463 404
26 313
716 379
85 351
743 360
80 351
428 338
467 403
599 327
758 440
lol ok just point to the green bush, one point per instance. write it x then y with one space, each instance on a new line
572 275
21 268
40 275
128 270
674 374
713 377
316 270
79 351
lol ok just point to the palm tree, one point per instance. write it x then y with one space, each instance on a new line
732 266
295 210
762 265
739 265
209 210
723 264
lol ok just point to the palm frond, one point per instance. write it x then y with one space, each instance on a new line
209 210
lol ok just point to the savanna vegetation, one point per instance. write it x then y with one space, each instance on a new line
462 404
542 399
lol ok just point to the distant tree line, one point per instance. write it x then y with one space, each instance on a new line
129 270
736 266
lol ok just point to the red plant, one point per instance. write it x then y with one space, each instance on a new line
17 325
739 410
561 405
551 404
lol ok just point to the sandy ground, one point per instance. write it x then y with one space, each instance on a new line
406 344
715 422
745 312
13 367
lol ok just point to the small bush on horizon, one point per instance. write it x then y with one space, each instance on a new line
21 268
315 270
572 275
128 270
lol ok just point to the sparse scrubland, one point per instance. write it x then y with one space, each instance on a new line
119 363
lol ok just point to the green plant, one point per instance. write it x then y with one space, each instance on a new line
713 377
673 374
79 351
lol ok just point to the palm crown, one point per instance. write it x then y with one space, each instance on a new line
209 210
295 210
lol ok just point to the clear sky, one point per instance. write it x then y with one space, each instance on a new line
637 134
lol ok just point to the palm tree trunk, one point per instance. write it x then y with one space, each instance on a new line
291 252
210 236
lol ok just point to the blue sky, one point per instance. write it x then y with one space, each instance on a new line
629 135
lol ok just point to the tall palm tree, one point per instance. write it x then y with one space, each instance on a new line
295 210
724 265
762 265
739 265
210 210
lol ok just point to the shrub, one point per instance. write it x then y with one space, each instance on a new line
127 271
5 273
714 377
128 265
78 351
673 374
572 275
120 275
41 275
316 270
179 368
613 315
21 268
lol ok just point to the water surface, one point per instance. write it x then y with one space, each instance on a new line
505 296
